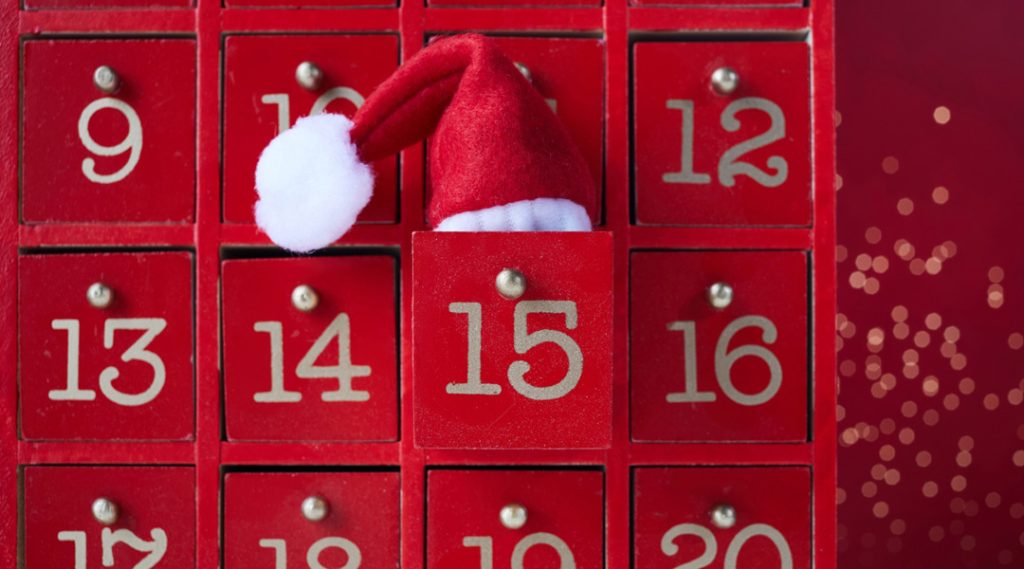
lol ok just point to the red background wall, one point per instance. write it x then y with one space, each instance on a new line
931 365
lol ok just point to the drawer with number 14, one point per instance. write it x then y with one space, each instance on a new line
105 345
109 131
722 134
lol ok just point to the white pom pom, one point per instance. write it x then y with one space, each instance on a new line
311 184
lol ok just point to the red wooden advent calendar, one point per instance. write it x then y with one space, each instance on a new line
176 392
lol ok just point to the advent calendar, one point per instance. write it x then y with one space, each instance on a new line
178 392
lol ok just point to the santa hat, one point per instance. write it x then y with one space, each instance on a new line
499 159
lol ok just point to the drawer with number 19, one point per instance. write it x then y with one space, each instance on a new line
109 131
105 346
722 134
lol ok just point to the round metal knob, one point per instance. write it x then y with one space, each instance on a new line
525 71
510 283
105 511
513 516
99 295
315 508
309 75
725 80
106 79
305 298
723 516
720 295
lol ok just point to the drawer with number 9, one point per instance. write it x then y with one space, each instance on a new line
109 131
310 350
311 519
722 134
102 516
515 518
271 81
512 340
722 518
718 346
105 344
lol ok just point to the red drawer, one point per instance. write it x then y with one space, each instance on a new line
105 4
728 518
106 346
532 371
732 372
311 519
332 360
721 3
109 517
263 96
122 156
739 155
501 518
569 74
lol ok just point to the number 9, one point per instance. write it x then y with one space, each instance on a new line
132 141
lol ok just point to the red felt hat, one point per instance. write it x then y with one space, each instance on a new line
499 159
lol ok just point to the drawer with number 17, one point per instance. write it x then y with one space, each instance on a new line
722 134
512 340
718 346
109 131
105 346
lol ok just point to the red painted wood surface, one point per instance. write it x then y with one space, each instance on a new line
155 521
123 372
264 521
563 518
671 509
745 377
616 25
352 327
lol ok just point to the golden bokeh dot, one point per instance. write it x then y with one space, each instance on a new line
905 206
917 267
958 483
995 296
840 496
967 386
849 436
950 248
1015 397
933 265
876 337
892 477
841 253
862 262
951 401
873 235
887 426
839 182
888 381
942 114
880 264
857 279
940 195
956 505
847 329
922 339
930 386
951 334
930 417
847 368
993 499
958 362
897 527
899 313
904 249
923 459
971 508
901 330
996 274
933 321
878 471
991 402
878 391
887 452
965 442
839 344
1015 341
930 489
840 413
838 116
1018 458
936 533
963 459
1017 512
907 436
869 489
872 285
947 349
890 165
908 409
968 542
910 356
880 509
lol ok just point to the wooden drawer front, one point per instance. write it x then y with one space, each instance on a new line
110 517
338 519
529 372
119 372
722 518
125 156
324 370
263 97
516 518
703 373
736 159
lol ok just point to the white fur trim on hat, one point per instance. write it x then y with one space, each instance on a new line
542 214
311 184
